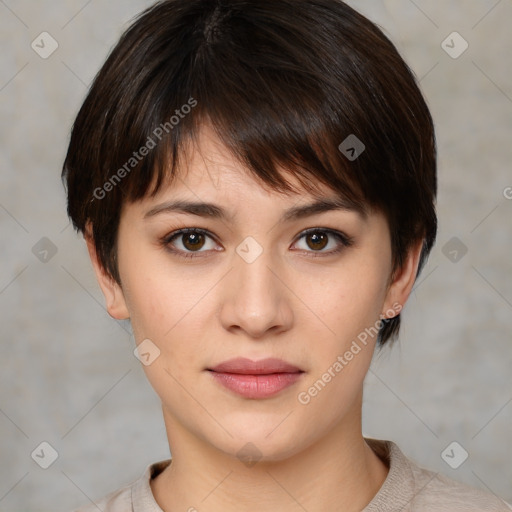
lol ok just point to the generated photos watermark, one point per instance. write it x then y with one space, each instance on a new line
342 361
139 155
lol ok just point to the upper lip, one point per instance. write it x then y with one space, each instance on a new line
244 366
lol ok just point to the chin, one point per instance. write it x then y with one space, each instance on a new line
262 442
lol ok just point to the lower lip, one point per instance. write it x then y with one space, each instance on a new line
256 386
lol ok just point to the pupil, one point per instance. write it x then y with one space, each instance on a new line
193 240
320 239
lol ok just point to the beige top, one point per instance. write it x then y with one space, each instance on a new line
407 488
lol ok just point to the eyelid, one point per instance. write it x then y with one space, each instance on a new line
175 233
334 232
167 239
343 239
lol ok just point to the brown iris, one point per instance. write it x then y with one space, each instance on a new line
193 241
318 240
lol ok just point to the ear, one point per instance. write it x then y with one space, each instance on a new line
114 296
402 282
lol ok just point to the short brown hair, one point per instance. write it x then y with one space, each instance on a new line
284 83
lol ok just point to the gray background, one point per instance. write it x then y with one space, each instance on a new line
69 376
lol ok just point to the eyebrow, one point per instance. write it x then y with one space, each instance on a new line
202 209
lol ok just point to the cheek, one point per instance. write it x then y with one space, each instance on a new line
158 296
351 300
170 316
175 313
344 347
349 306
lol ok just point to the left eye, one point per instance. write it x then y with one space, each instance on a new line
316 240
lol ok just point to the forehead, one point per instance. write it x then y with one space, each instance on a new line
211 183
207 162
208 168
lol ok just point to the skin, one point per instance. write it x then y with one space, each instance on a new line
297 301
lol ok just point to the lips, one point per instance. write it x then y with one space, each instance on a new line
256 379
245 366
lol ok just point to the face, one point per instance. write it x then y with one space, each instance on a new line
257 325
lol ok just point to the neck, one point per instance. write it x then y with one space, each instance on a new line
338 472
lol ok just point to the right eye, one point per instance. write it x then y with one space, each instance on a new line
185 242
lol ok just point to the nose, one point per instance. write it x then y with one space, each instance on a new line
256 298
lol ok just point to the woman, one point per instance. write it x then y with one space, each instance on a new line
256 185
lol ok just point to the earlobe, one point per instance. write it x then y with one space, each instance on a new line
402 283
114 297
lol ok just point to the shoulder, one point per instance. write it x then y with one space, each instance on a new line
117 501
416 489
135 497
440 493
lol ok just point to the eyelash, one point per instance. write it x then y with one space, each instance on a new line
344 241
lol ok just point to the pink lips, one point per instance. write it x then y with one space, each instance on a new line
256 379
